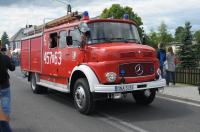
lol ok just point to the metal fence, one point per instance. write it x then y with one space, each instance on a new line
188 76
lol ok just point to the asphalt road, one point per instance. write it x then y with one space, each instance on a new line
55 112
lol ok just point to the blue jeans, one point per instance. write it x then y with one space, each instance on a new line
5 127
162 71
5 100
170 76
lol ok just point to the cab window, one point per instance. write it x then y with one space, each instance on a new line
62 39
53 42
76 37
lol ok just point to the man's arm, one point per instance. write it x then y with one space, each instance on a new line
165 56
10 64
158 54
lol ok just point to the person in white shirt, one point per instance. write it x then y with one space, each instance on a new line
170 66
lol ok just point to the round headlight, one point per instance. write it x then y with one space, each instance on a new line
111 76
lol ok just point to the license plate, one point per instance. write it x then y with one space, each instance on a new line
124 88
142 86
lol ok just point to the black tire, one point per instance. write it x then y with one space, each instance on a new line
143 99
36 88
83 99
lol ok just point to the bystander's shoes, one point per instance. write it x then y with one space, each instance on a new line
199 90
171 85
199 87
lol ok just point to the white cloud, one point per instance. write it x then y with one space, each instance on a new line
152 12
173 12
13 18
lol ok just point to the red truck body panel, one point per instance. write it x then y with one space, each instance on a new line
31 52
91 59
101 58
35 53
25 54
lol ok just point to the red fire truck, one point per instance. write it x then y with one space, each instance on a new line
92 59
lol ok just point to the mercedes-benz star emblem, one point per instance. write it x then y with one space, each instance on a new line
139 69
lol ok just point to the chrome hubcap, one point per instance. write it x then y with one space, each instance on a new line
33 83
147 93
80 97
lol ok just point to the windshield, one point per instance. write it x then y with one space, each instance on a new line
113 32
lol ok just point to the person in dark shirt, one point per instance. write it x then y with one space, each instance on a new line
6 64
161 55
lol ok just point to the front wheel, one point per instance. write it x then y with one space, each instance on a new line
144 97
83 98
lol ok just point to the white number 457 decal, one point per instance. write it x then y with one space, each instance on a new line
53 58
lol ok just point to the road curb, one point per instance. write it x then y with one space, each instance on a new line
179 97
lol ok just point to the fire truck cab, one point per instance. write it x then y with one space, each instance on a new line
92 59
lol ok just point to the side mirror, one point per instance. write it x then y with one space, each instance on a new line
144 39
69 40
84 27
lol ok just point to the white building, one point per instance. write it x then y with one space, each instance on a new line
15 41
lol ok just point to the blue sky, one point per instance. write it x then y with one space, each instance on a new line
15 14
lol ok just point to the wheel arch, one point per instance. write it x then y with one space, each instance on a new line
29 76
83 71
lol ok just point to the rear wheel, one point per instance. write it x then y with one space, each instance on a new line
144 97
36 88
83 99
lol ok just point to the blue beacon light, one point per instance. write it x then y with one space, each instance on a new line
122 72
85 15
126 16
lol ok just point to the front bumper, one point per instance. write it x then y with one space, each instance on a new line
119 88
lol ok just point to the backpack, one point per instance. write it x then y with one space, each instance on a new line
162 57
3 70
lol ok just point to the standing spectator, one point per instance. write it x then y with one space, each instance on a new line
5 64
161 55
170 66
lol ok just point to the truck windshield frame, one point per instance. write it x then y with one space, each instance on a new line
102 32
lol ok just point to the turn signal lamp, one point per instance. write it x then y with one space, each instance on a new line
85 15
122 72
126 16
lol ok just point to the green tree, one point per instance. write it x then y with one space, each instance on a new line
197 46
116 11
186 50
197 36
164 36
5 39
152 39
179 32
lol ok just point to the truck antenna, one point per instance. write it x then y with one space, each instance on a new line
67 4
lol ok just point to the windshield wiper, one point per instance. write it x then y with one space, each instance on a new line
106 39
126 40
134 40
121 39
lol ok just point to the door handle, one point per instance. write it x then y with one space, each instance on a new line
67 54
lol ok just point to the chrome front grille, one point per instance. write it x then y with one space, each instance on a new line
137 69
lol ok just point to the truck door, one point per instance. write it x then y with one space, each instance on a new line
51 56
72 55
63 66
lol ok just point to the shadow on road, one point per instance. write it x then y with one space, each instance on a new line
64 98
128 110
